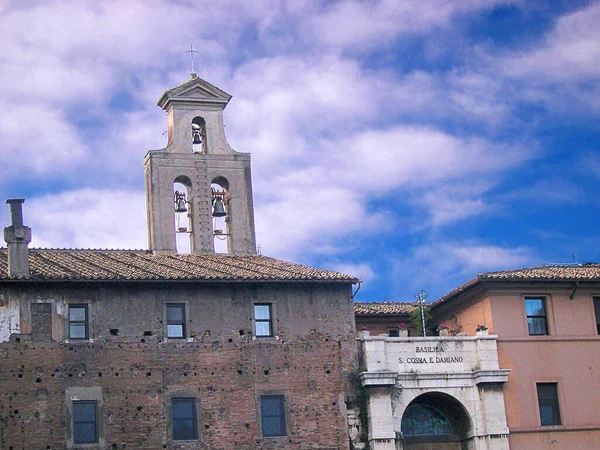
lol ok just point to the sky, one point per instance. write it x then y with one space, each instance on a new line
412 144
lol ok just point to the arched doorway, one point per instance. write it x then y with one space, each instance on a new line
436 421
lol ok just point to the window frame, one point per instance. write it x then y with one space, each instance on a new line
596 305
185 400
543 299
182 323
270 320
86 321
283 416
75 421
80 393
553 402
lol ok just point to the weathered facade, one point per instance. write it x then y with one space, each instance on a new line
107 349
130 366
434 392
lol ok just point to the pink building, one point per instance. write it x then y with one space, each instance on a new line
547 323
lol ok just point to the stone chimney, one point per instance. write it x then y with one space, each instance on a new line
17 237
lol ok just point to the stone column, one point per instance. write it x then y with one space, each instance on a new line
381 425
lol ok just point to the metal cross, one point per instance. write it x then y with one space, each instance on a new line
191 51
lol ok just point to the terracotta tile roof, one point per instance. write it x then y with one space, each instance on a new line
551 272
383 308
143 265
588 271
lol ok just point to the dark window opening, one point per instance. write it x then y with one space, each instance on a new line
184 419
548 402
78 322
536 316
272 411
394 333
597 311
85 423
176 320
262 320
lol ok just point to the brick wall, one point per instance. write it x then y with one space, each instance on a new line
311 362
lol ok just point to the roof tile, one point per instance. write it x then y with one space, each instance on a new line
550 272
143 265
383 308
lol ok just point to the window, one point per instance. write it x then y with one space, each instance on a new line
597 311
78 322
425 420
548 401
183 419
536 316
272 414
262 320
85 424
394 333
176 320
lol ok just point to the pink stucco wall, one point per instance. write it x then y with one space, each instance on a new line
568 356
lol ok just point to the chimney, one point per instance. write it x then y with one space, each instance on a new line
17 237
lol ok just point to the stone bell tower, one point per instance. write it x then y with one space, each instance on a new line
198 187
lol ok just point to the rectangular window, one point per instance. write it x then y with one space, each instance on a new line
548 401
272 412
184 420
176 320
78 322
394 333
262 320
536 316
597 311
85 423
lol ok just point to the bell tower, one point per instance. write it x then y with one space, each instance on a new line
198 187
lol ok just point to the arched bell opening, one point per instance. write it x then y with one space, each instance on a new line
436 421
198 135
182 208
219 188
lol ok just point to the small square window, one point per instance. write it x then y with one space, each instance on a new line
536 316
263 323
597 311
78 322
548 402
85 422
394 333
272 415
183 419
176 320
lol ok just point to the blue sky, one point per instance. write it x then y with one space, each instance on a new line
412 144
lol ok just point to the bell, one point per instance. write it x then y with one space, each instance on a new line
197 139
180 204
219 208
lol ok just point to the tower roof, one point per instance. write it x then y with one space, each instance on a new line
195 90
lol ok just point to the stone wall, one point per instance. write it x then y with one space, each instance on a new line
459 376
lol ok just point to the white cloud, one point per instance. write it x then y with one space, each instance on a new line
88 218
355 24
570 52
38 141
488 257
362 271
562 71
435 266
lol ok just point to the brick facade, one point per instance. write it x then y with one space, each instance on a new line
137 370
